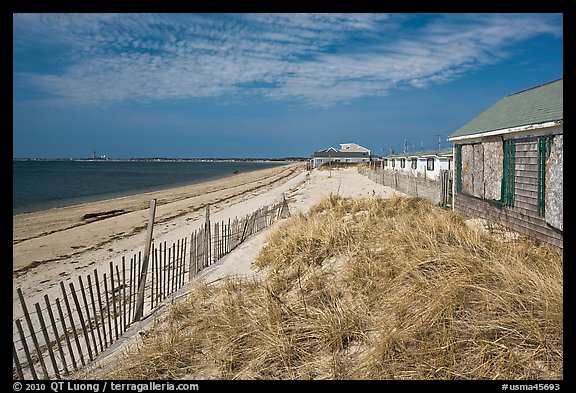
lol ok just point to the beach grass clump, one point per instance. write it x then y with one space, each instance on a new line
369 289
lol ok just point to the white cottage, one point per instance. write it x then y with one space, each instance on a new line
426 164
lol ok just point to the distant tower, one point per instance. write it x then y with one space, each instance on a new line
438 135
94 154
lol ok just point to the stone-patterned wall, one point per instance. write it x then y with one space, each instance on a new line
555 184
493 169
482 170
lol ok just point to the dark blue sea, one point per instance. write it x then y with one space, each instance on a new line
42 184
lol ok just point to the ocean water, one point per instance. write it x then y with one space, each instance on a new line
40 185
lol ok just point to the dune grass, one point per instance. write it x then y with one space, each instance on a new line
369 289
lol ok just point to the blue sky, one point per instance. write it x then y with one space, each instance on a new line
265 85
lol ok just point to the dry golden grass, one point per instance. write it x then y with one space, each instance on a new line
369 289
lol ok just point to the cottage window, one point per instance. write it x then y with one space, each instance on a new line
543 154
430 164
507 193
402 162
414 163
393 163
385 162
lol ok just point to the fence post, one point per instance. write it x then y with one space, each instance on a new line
142 283
285 212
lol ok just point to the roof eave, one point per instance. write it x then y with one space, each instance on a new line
527 127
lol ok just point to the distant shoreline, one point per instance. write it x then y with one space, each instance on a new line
72 187
167 159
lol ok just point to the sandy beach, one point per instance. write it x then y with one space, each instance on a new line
58 245
63 233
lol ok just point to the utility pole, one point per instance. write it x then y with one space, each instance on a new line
438 135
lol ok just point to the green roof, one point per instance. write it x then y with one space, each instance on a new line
536 105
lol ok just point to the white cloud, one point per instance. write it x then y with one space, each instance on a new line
320 59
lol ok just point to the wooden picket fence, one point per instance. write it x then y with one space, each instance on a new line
61 335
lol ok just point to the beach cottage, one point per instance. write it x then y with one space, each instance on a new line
508 163
426 164
424 174
348 153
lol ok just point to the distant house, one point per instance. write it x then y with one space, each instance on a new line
426 163
508 163
348 153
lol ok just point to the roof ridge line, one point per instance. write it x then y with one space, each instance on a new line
535 87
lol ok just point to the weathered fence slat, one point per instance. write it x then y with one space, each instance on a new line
32 333
81 317
126 308
110 335
174 268
56 334
190 257
17 362
66 335
159 274
152 281
88 319
166 271
170 277
26 350
47 340
72 324
133 277
120 301
97 285
95 313
113 289
183 255
178 264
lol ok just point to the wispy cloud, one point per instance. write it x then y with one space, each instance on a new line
318 59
